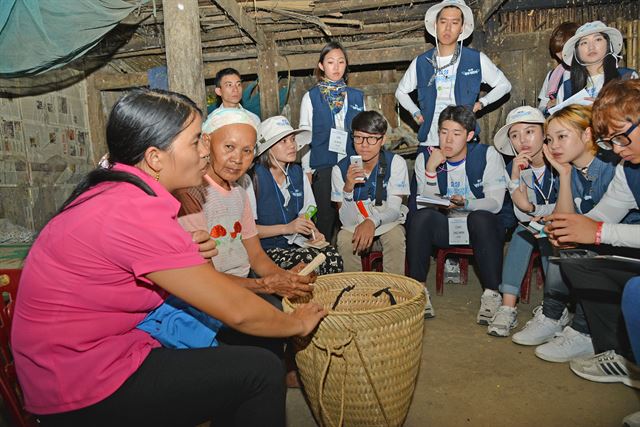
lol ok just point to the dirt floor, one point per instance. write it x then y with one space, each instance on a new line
468 378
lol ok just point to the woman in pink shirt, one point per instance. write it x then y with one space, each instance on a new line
110 256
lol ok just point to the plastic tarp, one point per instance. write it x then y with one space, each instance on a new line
39 35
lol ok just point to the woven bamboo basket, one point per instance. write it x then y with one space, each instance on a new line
359 367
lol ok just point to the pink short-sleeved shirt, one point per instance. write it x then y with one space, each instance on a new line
83 292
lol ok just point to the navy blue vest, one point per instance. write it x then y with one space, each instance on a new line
367 190
474 168
632 173
466 89
568 91
323 122
546 183
270 202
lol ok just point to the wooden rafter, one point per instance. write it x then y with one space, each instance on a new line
244 21
487 9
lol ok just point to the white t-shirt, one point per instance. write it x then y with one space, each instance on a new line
491 75
593 87
386 216
493 181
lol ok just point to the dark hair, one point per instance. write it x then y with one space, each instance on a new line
325 50
460 114
369 122
141 119
579 73
224 72
560 35
450 7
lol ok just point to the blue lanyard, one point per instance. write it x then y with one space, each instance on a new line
537 185
278 191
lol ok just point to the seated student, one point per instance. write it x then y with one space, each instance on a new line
369 197
228 86
533 190
592 54
584 179
224 208
472 176
599 288
282 200
79 357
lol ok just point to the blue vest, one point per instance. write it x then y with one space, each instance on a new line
590 191
323 122
466 89
270 202
632 173
568 91
367 190
474 168
546 184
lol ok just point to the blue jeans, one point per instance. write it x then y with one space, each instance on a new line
516 261
630 304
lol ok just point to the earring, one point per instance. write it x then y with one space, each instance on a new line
156 175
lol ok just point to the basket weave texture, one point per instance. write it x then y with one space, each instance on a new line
359 367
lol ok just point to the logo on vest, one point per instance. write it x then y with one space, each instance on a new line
356 107
478 183
296 193
471 71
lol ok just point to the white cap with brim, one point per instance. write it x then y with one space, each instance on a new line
524 114
615 37
275 128
227 116
467 14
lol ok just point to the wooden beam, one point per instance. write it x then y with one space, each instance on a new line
487 9
235 12
183 51
268 78
97 120
353 5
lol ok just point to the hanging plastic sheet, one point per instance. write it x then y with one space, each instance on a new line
39 35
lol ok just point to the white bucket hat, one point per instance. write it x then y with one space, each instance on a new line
227 116
524 114
274 129
615 39
432 13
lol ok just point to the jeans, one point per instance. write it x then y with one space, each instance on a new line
517 259
631 313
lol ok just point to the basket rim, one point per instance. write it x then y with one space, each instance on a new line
287 301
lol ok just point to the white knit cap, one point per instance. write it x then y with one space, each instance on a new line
227 116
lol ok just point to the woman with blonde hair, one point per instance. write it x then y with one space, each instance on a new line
583 179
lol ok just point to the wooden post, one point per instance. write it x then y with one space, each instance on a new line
184 50
97 120
268 78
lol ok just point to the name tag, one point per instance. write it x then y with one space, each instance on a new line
338 141
458 232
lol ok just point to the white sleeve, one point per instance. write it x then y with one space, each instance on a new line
560 94
494 77
337 184
542 96
408 84
306 120
616 202
426 186
621 235
492 201
390 213
398 184
493 177
309 199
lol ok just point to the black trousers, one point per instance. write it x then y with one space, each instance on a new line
429 230
327 215
232 386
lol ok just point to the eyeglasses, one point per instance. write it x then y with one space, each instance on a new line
621 139
371 140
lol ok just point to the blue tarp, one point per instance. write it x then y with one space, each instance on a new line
39 35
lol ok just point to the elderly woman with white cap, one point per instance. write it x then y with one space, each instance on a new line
533 186
593 54
450 73
283 203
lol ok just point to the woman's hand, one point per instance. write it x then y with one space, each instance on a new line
520 163
287 284
309 315
319 236
562 168
206 245
300 225
570 228
436 158
355 175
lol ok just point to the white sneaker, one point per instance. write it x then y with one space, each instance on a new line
429 312
632 420
565 346
607 367
490 301
540 328
503 322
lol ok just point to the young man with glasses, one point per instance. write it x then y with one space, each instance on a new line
369 197
599 286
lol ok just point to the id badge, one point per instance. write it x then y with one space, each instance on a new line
458 232
338 141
